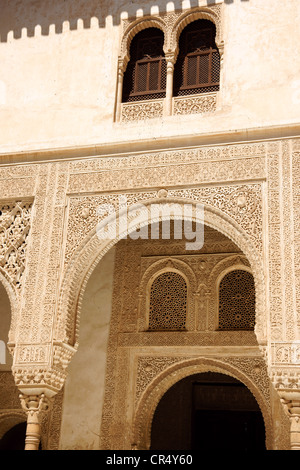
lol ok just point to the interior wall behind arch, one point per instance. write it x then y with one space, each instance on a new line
5 321
84 389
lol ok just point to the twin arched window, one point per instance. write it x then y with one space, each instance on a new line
169 296
197 69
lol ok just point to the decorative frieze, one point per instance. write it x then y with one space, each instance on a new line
184 172
142 110
28 354
284 353
171 157
206 103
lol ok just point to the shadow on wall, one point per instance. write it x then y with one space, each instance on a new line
30 18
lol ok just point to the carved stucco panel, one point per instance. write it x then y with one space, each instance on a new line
243 203
158 374
168 175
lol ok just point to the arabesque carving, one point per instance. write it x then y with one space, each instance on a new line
195 104
14 230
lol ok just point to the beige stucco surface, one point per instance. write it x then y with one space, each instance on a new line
5 319
58 88
59 72
81 417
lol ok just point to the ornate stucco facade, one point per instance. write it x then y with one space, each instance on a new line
83 368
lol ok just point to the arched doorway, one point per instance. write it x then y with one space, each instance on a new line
208 411
14 438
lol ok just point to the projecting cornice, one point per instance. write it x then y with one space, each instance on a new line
147 145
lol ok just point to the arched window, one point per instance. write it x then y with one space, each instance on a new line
197 69
168 302
145 76
237 301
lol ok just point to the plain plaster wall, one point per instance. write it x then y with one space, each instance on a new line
5 320
84 388
59 70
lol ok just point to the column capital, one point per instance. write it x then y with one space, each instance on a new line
170 57
122 63
34 405
291 404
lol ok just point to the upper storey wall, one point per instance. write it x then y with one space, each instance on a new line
59 71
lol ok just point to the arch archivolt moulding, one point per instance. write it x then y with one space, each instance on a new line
89 251
171 23
205 13
254 378
134 28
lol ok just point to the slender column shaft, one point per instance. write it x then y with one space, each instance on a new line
295 432
33 432
291 403
169 85
33 405
119 93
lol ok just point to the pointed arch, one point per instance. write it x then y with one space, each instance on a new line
165 380
192 15
91 250
133 29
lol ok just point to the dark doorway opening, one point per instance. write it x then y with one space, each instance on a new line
14 439
208 411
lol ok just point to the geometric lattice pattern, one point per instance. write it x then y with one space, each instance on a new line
168 302
237 301
14 230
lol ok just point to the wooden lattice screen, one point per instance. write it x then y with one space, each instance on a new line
145 76
197 69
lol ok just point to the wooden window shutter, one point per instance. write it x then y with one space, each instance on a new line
145 76
197 69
